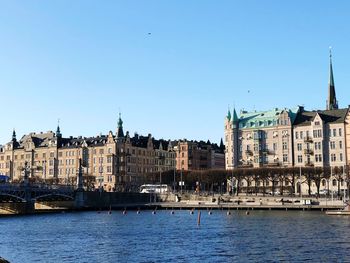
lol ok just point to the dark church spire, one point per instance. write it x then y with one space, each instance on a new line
14 135
120 132
58 130
332 102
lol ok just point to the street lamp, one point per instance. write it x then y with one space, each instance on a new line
160 158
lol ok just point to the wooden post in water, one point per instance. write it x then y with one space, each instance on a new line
199 218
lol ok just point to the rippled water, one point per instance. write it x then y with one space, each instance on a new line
263 236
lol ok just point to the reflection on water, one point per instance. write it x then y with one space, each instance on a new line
262 236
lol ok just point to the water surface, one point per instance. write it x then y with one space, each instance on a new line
262 236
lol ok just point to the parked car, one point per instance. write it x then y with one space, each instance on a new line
324 192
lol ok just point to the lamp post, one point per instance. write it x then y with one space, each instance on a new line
174 183
101 172
44 170
181 183
332 183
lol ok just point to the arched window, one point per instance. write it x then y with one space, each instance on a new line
323 182
334 182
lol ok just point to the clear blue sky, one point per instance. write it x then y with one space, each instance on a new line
82 61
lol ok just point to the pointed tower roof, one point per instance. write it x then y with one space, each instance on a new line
228 114
235 116
332 102
120 132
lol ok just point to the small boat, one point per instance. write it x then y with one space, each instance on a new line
344 212
338 212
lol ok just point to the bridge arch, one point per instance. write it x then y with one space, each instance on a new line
11 197
54 197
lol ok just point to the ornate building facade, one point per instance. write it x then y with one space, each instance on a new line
290 137
113 160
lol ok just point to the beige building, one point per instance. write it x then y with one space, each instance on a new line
320 138
257 139
291 137
113 161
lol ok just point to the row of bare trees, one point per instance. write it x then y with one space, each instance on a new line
257 179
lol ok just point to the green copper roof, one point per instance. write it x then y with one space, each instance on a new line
260 119
235 117
229 114
332 100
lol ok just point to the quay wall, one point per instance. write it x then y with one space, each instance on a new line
103 200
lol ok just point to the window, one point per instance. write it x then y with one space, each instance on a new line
285 158
334 182
284 146
52 154
299 146
332 145
333 157
318 158
275 146
341 157
317 145
334 132
340 132
296 135
340 145
300 158
301 135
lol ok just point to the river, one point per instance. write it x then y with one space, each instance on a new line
262 236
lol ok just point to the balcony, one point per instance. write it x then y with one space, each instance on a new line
308 151
248 152
308 139
309 163
274 164
269 152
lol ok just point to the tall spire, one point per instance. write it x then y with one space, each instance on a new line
120 132
58 130
332 102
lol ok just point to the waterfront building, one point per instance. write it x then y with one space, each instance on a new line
112 160
319 138
291 138
259 138
199 155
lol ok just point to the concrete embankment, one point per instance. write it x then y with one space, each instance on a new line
248 203
115 200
